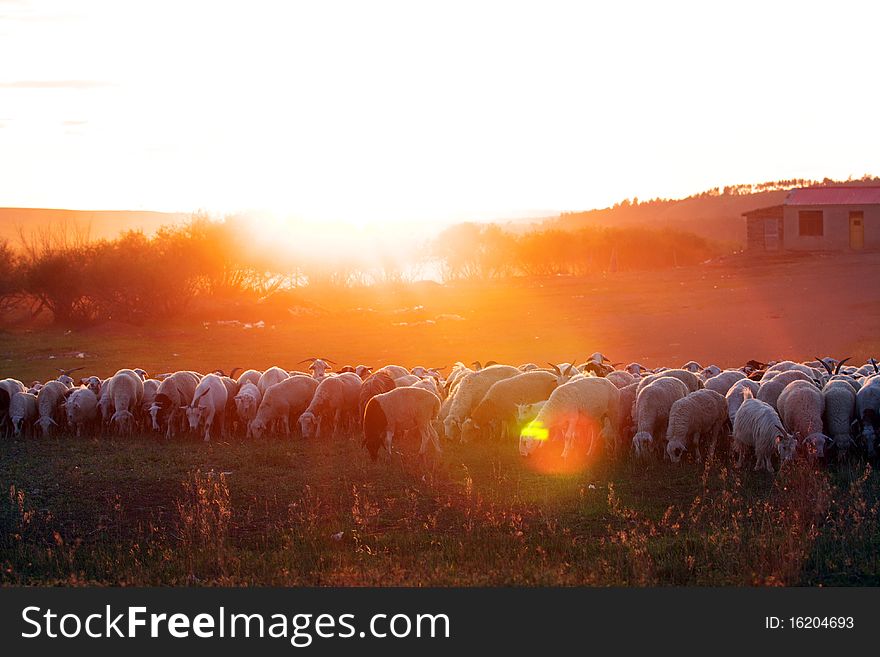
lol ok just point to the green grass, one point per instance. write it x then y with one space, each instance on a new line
139 512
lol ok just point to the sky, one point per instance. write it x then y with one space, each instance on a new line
387 113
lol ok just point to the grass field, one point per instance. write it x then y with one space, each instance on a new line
139 512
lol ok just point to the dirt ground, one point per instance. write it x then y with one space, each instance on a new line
724 312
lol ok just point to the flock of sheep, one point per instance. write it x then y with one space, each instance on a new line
822 407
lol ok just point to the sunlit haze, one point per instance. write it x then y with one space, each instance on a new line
384 113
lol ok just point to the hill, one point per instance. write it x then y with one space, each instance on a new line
96 224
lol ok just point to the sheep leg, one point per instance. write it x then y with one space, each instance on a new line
569 436
697 454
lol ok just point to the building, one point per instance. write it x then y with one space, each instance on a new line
844 218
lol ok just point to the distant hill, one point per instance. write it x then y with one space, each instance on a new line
97 224
715 214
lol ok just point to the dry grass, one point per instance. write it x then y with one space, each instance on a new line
135 512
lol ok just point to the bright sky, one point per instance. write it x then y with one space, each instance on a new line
386 112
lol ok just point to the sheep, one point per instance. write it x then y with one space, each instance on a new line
770 389
151 387
698 415
8 389
868 413
712 371
23 413
406 380
430 384
594 400
401 409
249 376
470 392
394 371
652 407
270 377
620 378
692 366
126 390
636 369
208 404
174 393
82 409
801 407
737 395
840 410
282 402
722 382
627 411
335 401
50 404
93 383
525 413
363 371
247 401
689 379
498 407
757 425
318 367
375 384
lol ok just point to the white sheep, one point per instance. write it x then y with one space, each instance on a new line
801 408
691 381
270 377
373 385
868 413
406 380
8 389
525 413
651 415
620 378
430 384
208 406
249 376
50 404
394 371
335 402
247 401
757 426
82 409
497 410
722 382
625 426
399 410
318 367
593 401
770 389
469 392
840 411
23 413
283 402
737 395
126 390
700 415
151 388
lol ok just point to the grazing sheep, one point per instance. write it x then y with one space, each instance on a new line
23 413
50 404
591 400
247 401
801 406
525 413
406 380
335 402
625 424
689 379
722 382
82 410
249 376
394 371
653 404
430 384
174 393
373 385
620 378
758 426
151 387
126 390
283 402
868 414
208 404
737 395
398 410
840 411
497 409
8 389
699 415
470 392
770 389
270 377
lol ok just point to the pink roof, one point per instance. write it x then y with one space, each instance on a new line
842 195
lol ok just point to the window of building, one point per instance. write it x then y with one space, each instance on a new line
810 223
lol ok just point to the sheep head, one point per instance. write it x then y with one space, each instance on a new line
308 424
786 445
675 449
642 443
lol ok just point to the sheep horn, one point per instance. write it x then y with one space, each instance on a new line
489 363
477 363
234 370
825 365
556 368
332 362
840 364
308 360
874 364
